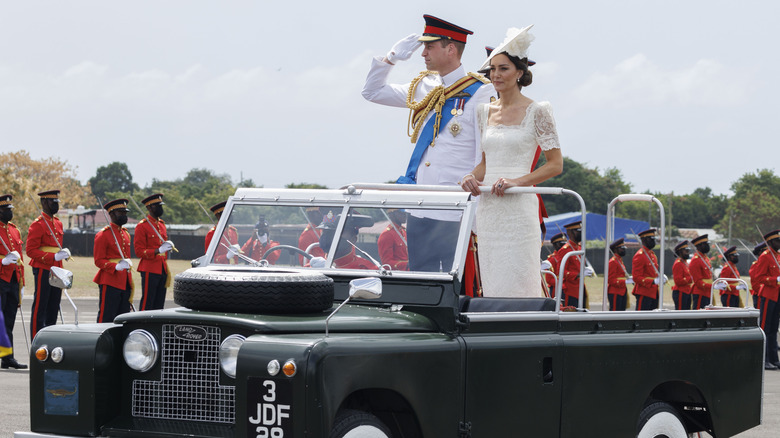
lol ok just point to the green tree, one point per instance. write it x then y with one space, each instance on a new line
597 190
305 186
756 201
114 177
183 195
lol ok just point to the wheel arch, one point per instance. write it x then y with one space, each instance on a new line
689 402
392 408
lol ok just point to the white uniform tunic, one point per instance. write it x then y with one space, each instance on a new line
450 157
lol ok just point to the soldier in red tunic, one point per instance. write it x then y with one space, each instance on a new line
311 234
701 273
152 247
44 248
258 245
392 242
618 277
767 276
345 256
645 272
683 282
112 257
551 263
754 286
11 275
729 292
571 275
228 246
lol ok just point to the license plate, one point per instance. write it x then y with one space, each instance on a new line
269 408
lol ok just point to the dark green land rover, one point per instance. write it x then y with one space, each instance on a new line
298 323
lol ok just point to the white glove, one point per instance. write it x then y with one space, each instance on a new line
721 286
22 293
62 254
165 247
11 258
778 279
655 281
124 265
589 271
403 50
318 262
233 251
264 238
629 280
546 265
741 286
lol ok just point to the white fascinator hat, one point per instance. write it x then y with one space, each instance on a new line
516 44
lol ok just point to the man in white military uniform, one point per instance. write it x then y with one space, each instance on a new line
443 102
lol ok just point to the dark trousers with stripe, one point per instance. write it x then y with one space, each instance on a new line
646 303
770 320
431 244
571 301
682 301
46 303
113 302
729 300
700 301
153 295
9 302
617 302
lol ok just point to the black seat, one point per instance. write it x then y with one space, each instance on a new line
509 305
463 302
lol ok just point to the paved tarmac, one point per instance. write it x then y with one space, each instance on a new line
15 412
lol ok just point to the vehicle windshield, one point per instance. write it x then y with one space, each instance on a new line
332 236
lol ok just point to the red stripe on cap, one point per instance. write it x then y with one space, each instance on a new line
457 36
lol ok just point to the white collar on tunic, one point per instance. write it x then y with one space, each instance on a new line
454 76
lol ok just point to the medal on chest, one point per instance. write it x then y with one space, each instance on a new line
457 111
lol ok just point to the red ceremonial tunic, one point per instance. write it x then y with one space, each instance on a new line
13 240
146 244
616 282
41 245
107 255
766 273
255 250
352 261
754 286
681 275
392 249
701 273
230 237
553 259
730 271
307 237
644 272
571 274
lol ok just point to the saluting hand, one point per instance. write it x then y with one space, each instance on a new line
403 49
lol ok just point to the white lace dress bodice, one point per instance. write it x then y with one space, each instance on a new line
508 228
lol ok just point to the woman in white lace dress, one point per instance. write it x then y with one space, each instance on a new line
512 128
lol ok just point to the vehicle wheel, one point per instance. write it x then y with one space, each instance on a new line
660 420
253 292
359 424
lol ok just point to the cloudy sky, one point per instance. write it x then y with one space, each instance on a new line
675 94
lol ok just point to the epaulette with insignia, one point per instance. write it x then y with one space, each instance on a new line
479 77
142 221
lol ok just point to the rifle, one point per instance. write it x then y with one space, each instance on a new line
157 232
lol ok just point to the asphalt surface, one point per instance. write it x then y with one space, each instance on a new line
14 395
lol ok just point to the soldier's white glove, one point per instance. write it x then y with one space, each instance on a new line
318 262
124 265
589 272
165 247
741 286
655 281
629 280
546 265
62 254
720 286
403 50
778 278
233 251
11 258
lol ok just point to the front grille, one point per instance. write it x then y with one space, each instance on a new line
189 385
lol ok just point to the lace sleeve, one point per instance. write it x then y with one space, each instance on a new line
546 134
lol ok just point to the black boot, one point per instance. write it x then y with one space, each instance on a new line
12 363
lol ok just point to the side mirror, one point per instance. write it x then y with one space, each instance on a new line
368 288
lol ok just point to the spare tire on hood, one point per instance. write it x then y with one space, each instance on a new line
248 291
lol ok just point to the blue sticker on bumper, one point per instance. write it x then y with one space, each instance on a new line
61 392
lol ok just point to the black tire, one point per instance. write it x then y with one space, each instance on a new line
660 420
253 292
358 424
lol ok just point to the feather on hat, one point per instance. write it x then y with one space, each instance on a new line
516 43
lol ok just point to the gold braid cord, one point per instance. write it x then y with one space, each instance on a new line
433 100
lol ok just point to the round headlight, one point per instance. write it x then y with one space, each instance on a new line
57 354
273 367
140 350
228 353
